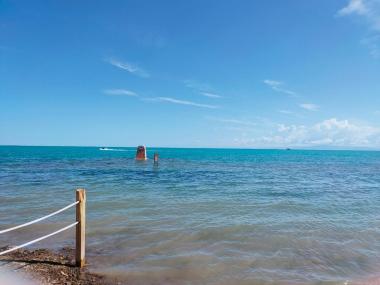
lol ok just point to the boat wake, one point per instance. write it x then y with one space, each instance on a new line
113 149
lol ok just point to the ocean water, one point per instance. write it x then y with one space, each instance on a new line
204 216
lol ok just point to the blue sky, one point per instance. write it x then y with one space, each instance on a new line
257 74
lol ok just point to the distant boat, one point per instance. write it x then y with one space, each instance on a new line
288 149
104 148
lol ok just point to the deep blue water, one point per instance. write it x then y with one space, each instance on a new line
204 216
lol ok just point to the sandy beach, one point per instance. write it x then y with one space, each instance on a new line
45 267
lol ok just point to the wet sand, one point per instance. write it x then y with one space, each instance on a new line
45 267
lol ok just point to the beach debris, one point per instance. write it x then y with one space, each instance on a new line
141 153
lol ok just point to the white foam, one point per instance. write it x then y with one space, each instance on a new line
113 149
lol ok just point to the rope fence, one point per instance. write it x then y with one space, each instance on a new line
40 219
38 239
80 225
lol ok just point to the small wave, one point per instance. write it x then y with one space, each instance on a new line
114 149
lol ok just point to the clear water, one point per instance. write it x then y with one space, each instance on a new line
204 216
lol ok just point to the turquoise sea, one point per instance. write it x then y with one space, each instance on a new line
204 216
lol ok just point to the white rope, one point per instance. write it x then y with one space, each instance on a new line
38 239
40 219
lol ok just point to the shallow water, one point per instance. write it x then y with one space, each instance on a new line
204 216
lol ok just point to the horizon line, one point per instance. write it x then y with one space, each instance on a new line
200 147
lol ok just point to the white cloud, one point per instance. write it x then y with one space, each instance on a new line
328 133
183 102
309 106
128 67
354 7
369 11
211 95
277 86
272 83
122 92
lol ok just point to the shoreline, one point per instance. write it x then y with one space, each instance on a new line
294 148
45 267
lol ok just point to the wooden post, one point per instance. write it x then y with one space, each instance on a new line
80 244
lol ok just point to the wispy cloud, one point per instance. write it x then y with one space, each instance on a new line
369 11
120 92
125 92
201 88
128 67
309 106
183 102
372 43
211 95
272 83
354 7
277 86
233 121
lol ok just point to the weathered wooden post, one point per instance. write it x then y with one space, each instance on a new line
80 244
